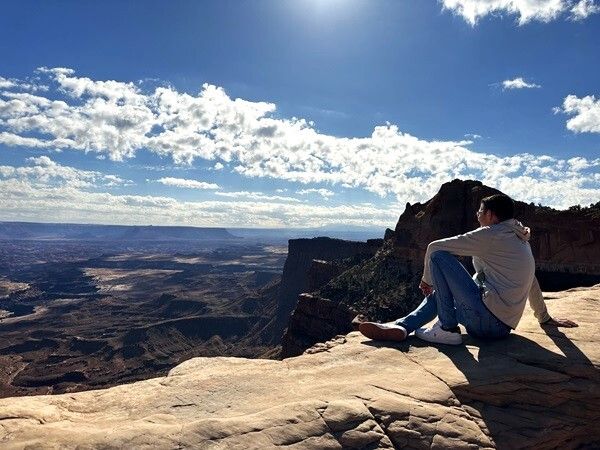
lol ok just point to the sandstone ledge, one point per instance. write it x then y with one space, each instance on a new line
537 389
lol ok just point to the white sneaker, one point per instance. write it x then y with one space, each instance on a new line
383 331
437 335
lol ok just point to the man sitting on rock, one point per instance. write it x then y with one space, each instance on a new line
488 305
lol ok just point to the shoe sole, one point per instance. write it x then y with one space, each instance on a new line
372 331
433 341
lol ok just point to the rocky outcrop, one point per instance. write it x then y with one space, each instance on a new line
315 319
295 278
381 287
539 388
566 245
322 272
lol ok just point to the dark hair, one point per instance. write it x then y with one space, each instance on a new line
501 205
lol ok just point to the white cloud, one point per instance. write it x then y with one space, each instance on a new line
28 198
585 112
583 9
116 120
13 83
113 119
519 83
14 140
257 196
43 171
473 136
81 86
5 83
325 193
544 191
33 193
24 199
526 10
218 166
186 183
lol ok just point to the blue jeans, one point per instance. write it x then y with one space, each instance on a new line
456 299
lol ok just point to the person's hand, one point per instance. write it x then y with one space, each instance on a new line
566 323
426 289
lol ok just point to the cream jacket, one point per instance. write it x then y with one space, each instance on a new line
504 265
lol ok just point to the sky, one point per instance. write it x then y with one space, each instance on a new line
296 113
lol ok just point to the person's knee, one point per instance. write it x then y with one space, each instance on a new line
439 255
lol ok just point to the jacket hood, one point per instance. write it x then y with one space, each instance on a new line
523 232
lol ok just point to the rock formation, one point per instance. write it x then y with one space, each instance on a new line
566 245
539 388
296 279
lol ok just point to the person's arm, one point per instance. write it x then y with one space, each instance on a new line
473 243
536 301
540 311
477 264
479 276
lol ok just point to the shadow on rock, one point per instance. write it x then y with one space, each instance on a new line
521 394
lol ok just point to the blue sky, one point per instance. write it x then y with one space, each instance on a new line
349 108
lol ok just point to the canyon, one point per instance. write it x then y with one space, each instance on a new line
251 317
87 315
536 389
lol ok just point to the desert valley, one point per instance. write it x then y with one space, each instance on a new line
94 312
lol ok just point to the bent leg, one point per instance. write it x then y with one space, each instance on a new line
459 299
421 315
454 287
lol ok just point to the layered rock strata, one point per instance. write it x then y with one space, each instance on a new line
539 388
315 319
296 279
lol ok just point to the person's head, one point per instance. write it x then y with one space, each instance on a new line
495 209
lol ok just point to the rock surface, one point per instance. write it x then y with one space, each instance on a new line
539 388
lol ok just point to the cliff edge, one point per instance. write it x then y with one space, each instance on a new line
539 388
